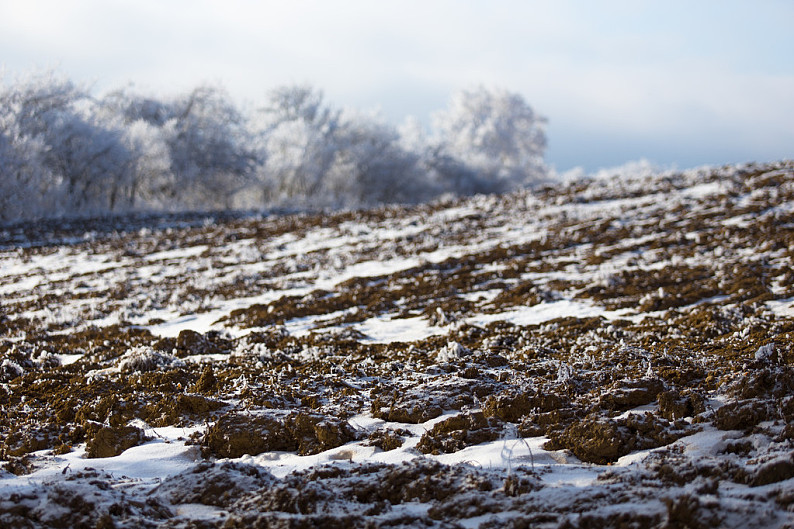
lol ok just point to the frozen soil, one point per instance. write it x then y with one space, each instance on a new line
612 352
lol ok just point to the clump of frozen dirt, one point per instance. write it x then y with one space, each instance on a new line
143 359
109 441
599 440
236 434
84 499
216 484
458 432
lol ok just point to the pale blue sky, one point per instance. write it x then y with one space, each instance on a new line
681 83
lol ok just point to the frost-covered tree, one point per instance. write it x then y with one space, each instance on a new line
94 164
27 109
208 143
24 179
201 137
299 137
64 154
323 157
371 167
442 172
151 183
131 107
494 135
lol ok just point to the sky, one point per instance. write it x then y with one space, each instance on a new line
679 83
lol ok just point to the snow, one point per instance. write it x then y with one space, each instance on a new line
542 312
705 190
177 253
150 462
388 329
65 360
782 307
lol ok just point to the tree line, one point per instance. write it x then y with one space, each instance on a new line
66 152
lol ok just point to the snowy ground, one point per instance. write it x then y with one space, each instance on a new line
614 352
